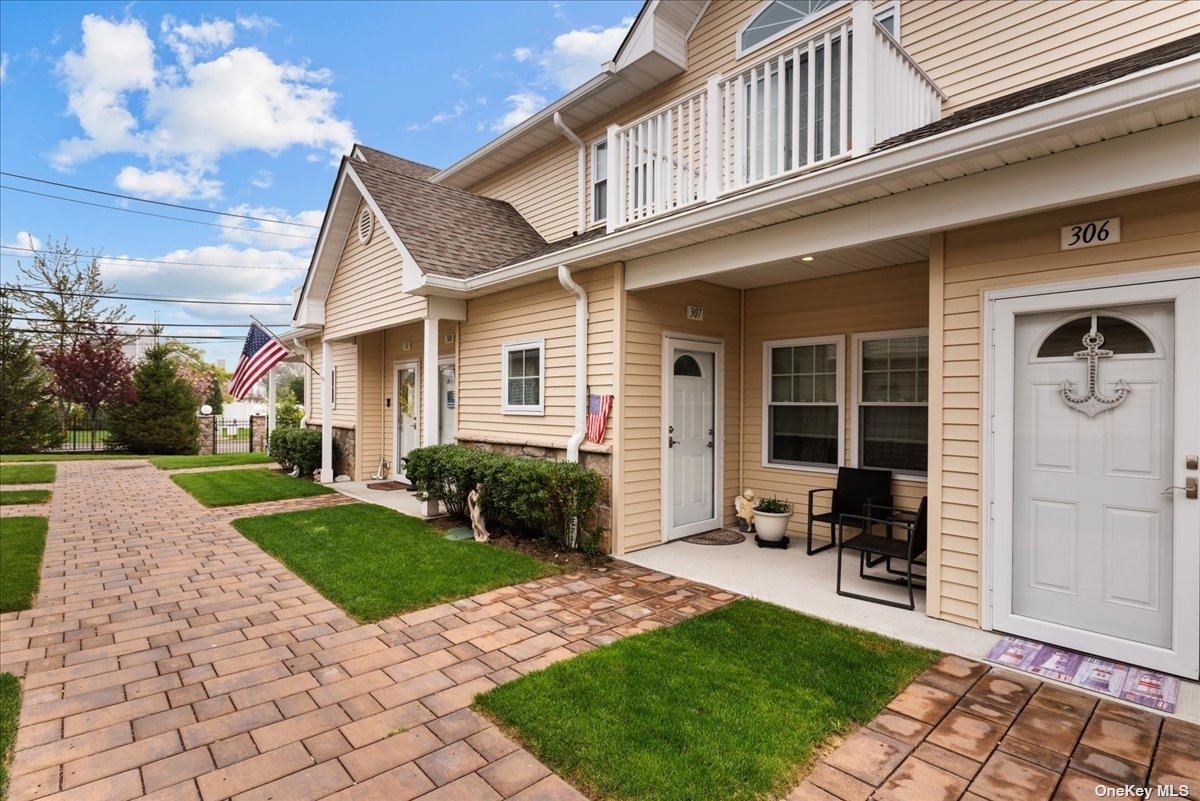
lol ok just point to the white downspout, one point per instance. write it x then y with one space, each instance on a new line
581 198
581 360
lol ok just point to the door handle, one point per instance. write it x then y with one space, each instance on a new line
671 442
1191 488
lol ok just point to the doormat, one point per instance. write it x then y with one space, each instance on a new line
1136 685
720 536
388 485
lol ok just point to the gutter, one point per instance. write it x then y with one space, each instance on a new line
581 325
581 168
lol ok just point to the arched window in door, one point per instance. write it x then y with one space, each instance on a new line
686 365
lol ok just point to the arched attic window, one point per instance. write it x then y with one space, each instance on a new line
776 18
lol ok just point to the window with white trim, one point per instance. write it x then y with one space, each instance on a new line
600 181
892 414
889 17
523 376
802 387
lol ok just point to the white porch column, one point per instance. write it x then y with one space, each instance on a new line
862 110
430 402
272 381
326 412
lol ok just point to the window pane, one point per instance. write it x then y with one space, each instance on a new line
826 390
826 358
781 361
923 386
875 354
533 391
875 388
902 387
803 434
600 201
894 437
903 354
533 361
781 390
516 396
516 363
802 387
1120 336
600 165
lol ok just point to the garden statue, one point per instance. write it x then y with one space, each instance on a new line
743 506
475 510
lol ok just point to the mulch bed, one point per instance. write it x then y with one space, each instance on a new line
537 548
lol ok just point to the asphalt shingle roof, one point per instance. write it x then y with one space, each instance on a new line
412 169
1103 73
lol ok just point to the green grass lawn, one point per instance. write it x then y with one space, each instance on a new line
212 460
27 474
727 706
22 540
10 708
14 497
375 563
236 487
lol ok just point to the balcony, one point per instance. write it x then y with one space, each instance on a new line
820 101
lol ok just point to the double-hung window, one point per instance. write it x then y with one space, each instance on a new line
803 399
600 181
892 414
523 376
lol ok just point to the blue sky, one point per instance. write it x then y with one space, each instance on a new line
246 107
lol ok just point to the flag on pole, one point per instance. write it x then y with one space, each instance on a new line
597 417
260 353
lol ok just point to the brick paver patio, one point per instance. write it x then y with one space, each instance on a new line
966 731
170 658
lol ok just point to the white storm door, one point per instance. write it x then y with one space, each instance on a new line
691 438
1102 555
407 414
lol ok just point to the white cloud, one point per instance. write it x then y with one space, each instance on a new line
523 106
242 274
460 108
262 179
198 110
256 22
264 234
523 53
26 241
576 56
557 9
3 67
167 184
460 78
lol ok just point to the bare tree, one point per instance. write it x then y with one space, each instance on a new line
61 289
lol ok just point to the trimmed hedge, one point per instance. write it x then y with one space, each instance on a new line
300 447
531 497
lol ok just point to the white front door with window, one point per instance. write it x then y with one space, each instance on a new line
1094 549
691 440
407 413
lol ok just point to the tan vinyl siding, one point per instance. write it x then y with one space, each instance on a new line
649 316
980 49
1158 230
366 292
974 50
345 359
887 299
543 310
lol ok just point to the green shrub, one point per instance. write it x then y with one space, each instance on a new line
530 497
162 418
299 447
772 506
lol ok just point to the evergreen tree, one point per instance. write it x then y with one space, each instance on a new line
162 419
29 418
287 412
215 397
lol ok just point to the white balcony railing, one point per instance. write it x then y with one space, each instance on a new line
821 100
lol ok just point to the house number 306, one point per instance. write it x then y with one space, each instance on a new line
1090 234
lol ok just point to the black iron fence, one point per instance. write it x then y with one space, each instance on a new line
231 436
82 433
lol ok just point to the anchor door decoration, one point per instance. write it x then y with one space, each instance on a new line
1093 402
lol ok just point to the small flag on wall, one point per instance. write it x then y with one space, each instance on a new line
260 353
597 418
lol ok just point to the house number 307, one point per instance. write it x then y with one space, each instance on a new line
1090 234
695 312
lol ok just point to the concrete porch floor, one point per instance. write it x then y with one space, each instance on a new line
806 584
401 501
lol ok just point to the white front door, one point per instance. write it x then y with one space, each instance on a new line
407 410
691 439
1102 554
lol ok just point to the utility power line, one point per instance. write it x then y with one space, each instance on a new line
146 298
152 214
154 202
132 262
82 333
138 323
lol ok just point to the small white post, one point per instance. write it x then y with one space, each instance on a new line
430 402
862 111
272 381
615 180
326 412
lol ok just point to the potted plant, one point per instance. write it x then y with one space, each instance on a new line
771 517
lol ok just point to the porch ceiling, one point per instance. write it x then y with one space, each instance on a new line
833 262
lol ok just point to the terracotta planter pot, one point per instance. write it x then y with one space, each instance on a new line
772 526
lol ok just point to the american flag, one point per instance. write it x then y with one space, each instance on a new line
597 418
260 353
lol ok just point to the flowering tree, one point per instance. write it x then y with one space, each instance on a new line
93 372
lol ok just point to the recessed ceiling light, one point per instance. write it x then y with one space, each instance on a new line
806 258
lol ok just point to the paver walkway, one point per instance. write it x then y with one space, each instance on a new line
169 657
965 730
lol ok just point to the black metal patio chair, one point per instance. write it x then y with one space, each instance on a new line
856 487
887 547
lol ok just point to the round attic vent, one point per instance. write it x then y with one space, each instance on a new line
366 225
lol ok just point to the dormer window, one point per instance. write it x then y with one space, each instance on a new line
778 17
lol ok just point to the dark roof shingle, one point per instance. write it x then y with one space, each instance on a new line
448 231
1103 73
411 169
